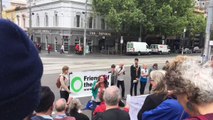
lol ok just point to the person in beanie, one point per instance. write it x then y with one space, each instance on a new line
20 73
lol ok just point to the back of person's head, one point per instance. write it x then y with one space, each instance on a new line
187 76
158 76
112 96
20 73
60 105
46 100
74 106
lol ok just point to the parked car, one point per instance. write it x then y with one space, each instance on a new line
159 48
187 51
137 48
196 49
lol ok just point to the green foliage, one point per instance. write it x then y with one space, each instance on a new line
165 17
119 12
197 23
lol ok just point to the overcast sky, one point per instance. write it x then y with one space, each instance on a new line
6 2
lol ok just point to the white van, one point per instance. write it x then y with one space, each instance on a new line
137 48
159 48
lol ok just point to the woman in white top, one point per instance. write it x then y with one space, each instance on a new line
64 80
143 78
120 79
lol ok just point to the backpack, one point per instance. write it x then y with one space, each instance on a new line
58 83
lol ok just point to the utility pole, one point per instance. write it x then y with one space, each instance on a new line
85 28
140 38
183 39
206 54
30 19
1 9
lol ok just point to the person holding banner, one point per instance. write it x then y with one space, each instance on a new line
64 80
98 89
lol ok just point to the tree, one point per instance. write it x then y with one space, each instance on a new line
119 13
197 23
171 18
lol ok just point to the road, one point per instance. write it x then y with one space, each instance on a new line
54 62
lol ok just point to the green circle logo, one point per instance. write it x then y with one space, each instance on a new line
73 86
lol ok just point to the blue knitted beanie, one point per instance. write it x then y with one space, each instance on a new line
20 73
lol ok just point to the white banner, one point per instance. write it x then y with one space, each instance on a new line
81 82
135 104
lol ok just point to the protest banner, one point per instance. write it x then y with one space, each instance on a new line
81 82
135 104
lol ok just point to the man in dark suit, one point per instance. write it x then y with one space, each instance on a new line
135 74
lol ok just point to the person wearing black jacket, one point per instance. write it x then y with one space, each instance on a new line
135 74
159 92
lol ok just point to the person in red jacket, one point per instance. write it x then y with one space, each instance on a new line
48 49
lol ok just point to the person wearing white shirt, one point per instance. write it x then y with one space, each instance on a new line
120 79
143 78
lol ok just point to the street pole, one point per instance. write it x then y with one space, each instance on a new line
85 28
140 38
206 54
184 31
1 9
30 19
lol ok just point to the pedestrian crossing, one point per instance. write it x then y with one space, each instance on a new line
54 65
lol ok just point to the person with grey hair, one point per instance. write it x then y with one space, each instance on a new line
60 107
74 110
192 84
112 97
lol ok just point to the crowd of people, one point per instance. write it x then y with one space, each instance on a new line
183 90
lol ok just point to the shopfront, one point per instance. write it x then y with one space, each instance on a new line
97 41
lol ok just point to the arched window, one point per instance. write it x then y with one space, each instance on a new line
56 19
37 20
46 20
18 20
24 21
102 24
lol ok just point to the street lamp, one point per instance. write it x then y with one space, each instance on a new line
85 28
206 54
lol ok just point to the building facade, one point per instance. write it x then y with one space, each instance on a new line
18 13
61 22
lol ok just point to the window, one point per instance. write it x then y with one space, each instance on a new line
90 22
94 23
77 20
18 20
46 20
103 24
37 20
23 17
56 20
